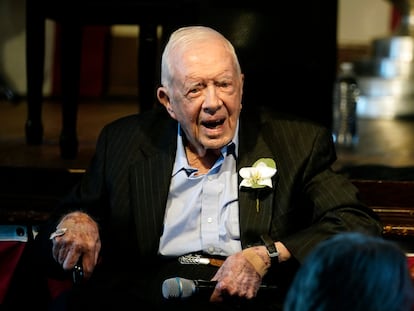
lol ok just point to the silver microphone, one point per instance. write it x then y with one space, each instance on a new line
177 287
180 288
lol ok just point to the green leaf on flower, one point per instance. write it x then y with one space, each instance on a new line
267 161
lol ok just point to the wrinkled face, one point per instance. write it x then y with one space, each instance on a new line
205 95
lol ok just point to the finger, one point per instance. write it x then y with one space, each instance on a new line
97 251
57 245
55 250
89 261
69 257
216 296
88 265
57 233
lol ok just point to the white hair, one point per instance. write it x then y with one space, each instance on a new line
183 38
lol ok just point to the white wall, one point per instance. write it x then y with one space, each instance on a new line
13 45
359 21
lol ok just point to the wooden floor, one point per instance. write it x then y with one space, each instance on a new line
92 116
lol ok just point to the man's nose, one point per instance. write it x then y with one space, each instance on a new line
212 101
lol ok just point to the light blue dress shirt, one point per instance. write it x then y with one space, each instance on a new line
202 212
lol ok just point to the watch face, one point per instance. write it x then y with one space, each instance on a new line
274 254
270 245
272 251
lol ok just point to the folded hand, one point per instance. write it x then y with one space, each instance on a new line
237 277
80 238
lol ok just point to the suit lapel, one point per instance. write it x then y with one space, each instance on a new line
150 180
252 222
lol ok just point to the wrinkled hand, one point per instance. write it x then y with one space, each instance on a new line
80 239
237 277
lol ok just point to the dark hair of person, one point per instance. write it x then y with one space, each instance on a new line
353 271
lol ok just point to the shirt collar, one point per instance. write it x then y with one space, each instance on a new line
181 160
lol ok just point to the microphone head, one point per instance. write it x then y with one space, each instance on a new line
178 288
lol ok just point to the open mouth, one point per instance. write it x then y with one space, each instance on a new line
212 124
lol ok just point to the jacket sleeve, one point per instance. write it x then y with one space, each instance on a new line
315 201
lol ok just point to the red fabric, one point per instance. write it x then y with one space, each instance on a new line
56 287
395 19
92 76
410 259
10 253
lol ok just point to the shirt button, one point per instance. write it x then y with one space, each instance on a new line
209 220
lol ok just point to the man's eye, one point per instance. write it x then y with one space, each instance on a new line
194 91
223 84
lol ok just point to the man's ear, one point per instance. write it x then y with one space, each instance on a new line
164 99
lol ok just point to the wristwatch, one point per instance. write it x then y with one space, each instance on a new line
271 248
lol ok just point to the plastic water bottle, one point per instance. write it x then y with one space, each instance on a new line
346 92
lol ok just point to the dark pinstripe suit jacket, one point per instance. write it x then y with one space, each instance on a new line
126 186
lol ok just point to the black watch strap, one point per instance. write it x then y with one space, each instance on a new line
271 248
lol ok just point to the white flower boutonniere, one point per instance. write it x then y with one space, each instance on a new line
258 176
